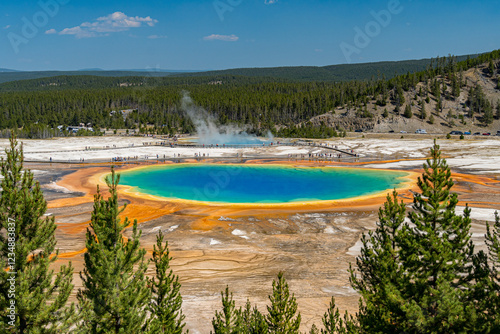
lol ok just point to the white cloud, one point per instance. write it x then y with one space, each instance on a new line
270 2
7 26
105 25
156 36
51 31
225 38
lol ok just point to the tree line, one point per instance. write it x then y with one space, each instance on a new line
258 103
422 276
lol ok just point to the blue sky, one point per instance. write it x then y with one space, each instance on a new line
219 34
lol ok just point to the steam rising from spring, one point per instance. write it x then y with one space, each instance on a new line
208 131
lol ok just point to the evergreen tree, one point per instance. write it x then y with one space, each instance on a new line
491 67
166 303
397 109
282 317
114 294
444 88
436 255
439 105
493 242
419 278
314 330
423 112
497 116
408 113
334 324
455 86
431 119
32 298
492 298
436 91
488 115
253 321
381 280
229 320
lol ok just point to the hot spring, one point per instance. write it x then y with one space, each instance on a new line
240 140
259 183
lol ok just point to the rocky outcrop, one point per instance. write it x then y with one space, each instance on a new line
345 122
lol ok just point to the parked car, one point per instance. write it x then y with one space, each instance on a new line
459 133
392 131
498 133
487 134
421 131
477 133
358 130
403 131
467 133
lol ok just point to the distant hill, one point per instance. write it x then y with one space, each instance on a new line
87 81
9 75
5 70
448 95
332 73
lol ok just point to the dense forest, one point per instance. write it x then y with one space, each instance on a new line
36 107
345 72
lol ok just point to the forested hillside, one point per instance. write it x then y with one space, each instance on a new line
331 73
10 75
334 73
464 92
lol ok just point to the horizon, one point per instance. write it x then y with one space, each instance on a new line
166 70
193 35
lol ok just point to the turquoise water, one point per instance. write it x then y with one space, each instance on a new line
259 184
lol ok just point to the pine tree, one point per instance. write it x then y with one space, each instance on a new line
488 115
497 116
282 317
114 294
492 298
491 68
397 109
423 112
334 324
408 113
439 105
314 330
381 280
431 119
455 86
436 255
32 298
166 303
229 320
253 321
419 278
